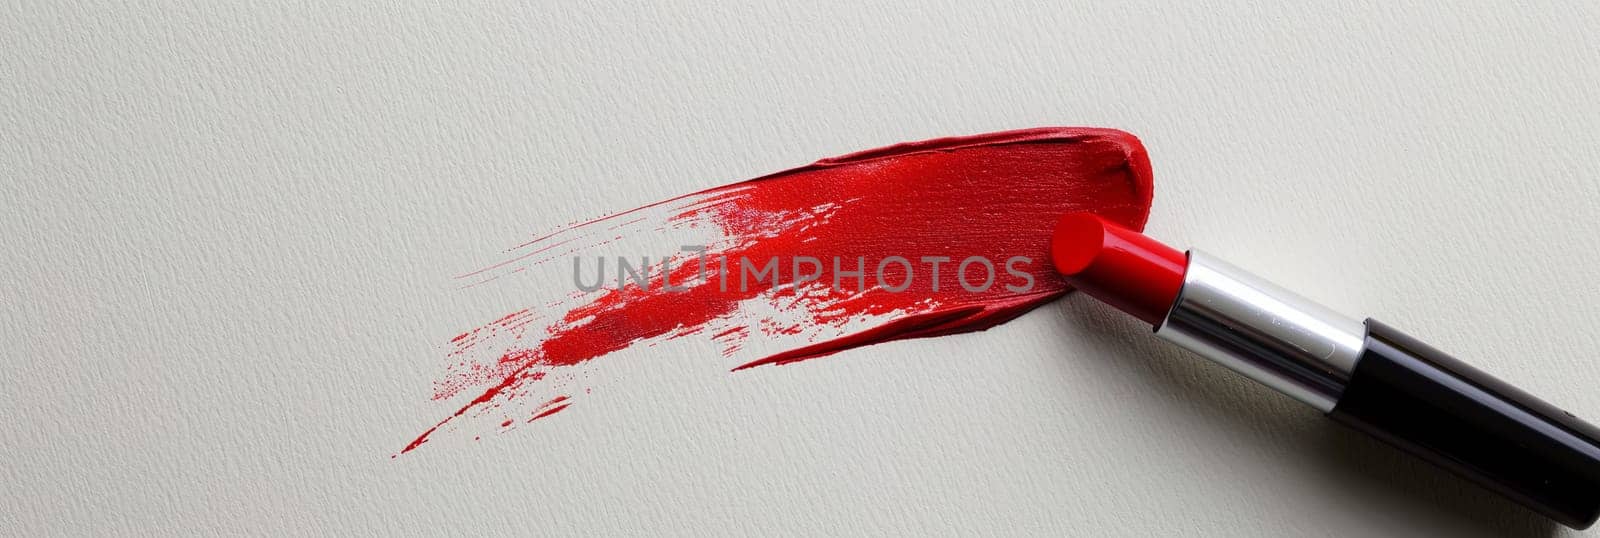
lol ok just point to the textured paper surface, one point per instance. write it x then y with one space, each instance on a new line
229 232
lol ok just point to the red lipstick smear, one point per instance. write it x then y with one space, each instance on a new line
933 204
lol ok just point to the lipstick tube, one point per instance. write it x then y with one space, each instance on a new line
1364 374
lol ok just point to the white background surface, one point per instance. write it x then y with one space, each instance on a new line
229 231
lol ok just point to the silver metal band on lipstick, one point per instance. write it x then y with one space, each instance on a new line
1265 332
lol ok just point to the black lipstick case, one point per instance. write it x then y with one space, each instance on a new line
1428 403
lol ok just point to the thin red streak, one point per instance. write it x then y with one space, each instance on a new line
548 413
553 401
513 260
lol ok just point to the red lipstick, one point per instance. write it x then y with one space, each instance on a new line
1118 266
1363 374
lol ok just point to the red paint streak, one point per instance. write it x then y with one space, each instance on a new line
553 401
994 195
549 412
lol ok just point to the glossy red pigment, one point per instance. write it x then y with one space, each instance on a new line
1121 267
996 195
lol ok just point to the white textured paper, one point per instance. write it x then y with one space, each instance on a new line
229 230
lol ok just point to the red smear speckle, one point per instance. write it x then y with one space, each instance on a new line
994 195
